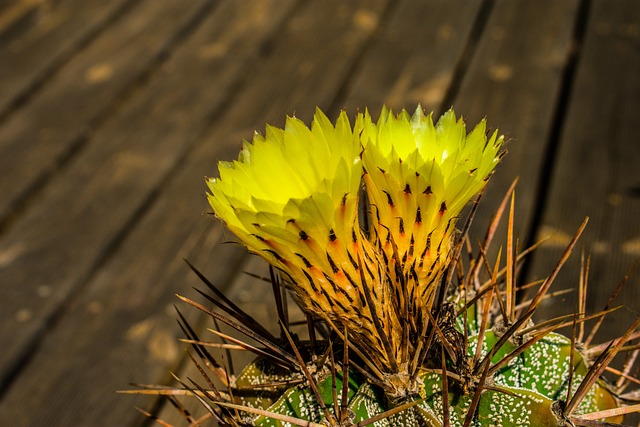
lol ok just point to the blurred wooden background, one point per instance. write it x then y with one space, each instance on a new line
112 112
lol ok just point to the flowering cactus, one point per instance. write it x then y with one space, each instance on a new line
403 345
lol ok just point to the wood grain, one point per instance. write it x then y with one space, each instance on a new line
38 36
54 248
595 169
514 80
38 139
413 58
136 282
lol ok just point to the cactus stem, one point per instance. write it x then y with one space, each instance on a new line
535 302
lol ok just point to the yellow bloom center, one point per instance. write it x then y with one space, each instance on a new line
292 197
418 178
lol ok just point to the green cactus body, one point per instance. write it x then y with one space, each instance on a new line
544 369
523 392
296 401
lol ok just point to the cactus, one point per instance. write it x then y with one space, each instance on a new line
402 331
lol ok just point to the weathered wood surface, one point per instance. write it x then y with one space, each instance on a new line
595 169
110 119
38 37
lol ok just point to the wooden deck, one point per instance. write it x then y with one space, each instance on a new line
112 112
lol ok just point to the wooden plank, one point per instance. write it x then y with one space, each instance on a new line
595 171
37 139
135 286
414 58
39 36
514 79
55 245
16 14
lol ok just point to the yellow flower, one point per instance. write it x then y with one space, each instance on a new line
292 197
418 178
